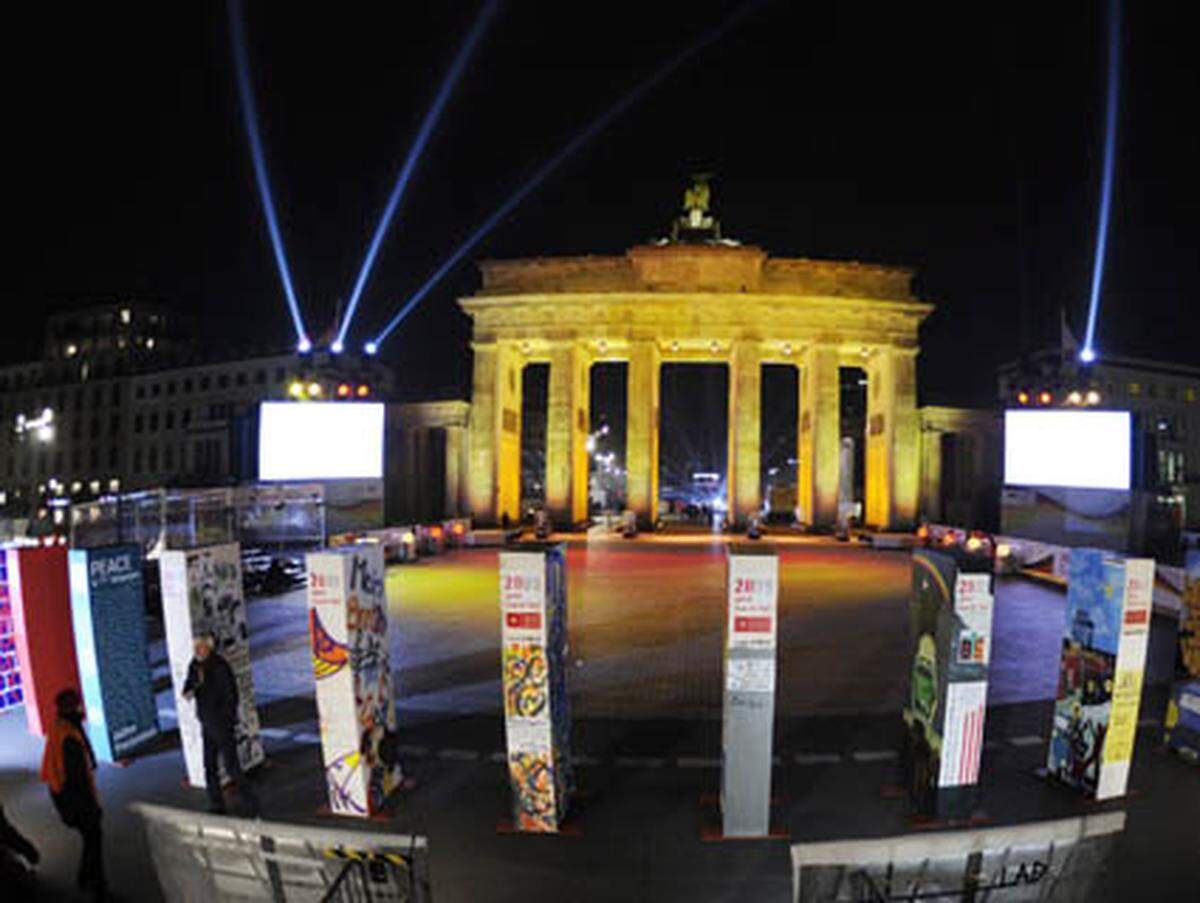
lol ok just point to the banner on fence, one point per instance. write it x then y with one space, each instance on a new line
1062 861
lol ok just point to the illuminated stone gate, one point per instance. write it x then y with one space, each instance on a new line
688 301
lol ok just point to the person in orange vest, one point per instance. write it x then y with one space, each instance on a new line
68 764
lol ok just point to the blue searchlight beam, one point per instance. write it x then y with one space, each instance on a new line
597 125
237 33
414 155
1088 353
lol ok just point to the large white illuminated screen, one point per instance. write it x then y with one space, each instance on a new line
1078 449
313 440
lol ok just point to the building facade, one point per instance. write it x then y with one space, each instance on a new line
122 401
707 301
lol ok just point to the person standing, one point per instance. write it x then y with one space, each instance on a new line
211 683
68 767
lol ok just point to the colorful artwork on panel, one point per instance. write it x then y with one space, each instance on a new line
1100 671
108 613
328 655
12 693
348 629
537 717
202 593
1183 708
950 620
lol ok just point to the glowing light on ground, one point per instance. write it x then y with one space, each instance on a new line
596 126
250 118
1088 353
414 154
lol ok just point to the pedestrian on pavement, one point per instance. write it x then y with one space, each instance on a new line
68 766
17 858
211 682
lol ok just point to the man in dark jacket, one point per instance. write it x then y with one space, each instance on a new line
211 682
67 767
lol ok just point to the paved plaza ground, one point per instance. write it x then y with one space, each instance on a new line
646 623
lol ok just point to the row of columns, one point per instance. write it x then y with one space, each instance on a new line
892 437
414 465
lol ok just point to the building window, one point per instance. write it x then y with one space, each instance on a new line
114 424
154 422
171 387
115 395
280 375
113 457
1189 394
76 460
1135 388
156 390
1152 390
139 392
152 459
169 458
223 381
137 423
205 382
241 378
94 458
137 460
170 420
185 417
187 384
95 428
260 377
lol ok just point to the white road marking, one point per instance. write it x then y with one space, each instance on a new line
818 758
873 755
1026 740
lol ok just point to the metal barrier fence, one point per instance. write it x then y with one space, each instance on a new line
157 519
201 858
1062 861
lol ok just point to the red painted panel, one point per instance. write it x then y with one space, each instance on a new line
41 606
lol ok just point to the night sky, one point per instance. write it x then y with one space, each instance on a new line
968 147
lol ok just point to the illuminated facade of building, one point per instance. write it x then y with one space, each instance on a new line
134 405
695 301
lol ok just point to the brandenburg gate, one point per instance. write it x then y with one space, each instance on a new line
701 302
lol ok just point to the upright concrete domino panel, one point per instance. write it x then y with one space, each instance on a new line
950 640
749 695
348 628
40 596
1105 642
537 719
202 593
108 615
